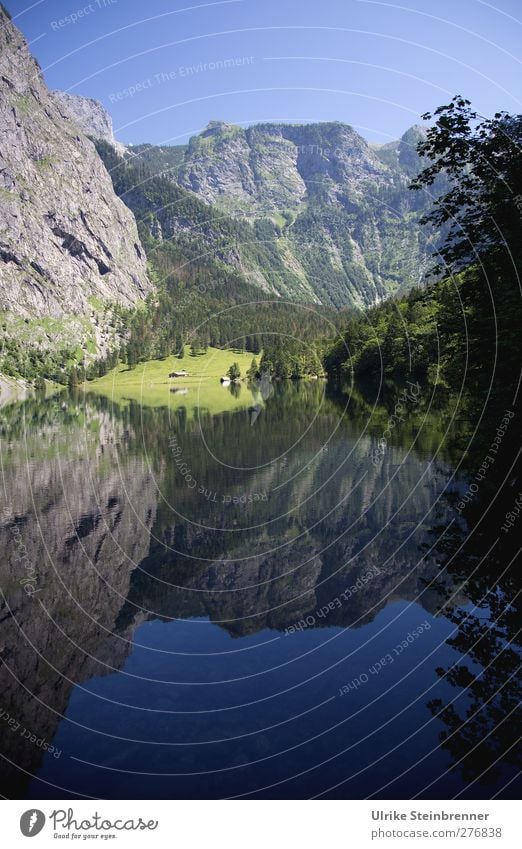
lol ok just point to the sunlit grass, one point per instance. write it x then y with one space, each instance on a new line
149 383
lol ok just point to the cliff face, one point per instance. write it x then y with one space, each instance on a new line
271 167
65 238
333 218
90 117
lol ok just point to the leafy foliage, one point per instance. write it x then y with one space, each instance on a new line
483 163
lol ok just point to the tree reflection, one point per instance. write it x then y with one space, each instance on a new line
482 724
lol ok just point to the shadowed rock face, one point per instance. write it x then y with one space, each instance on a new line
76 525
64 235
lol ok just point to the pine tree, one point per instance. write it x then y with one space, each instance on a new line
73 379
253 371
234 372
132 354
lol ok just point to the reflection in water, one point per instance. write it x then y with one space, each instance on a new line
70 524
186 595
234 389
482 713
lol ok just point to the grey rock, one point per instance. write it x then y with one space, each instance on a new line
90 116
333 216
65 238
270 167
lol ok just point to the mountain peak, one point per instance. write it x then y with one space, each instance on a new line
90 116
216 127
417 132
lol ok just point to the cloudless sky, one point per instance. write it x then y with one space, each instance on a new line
164 69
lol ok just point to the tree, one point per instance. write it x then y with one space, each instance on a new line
234 372
481 160
480 214
394 346
132 354
73 379
253 371
40 386
163 348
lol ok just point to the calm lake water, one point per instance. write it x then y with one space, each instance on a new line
270 602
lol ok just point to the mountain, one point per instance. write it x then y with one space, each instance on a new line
332 218
89 115
68 245
402 154
307 213
271 167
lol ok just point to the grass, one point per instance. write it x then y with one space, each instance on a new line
149 384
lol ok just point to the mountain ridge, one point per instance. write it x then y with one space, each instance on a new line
330 213
68 245
335 213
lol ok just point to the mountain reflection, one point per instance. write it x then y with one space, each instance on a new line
71 519
116 516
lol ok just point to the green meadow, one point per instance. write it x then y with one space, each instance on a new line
149 384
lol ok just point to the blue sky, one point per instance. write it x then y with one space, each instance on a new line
165 69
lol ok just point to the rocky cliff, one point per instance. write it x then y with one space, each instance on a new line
332 217
273 167
66 240
90 117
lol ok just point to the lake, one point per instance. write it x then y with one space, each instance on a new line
280 600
